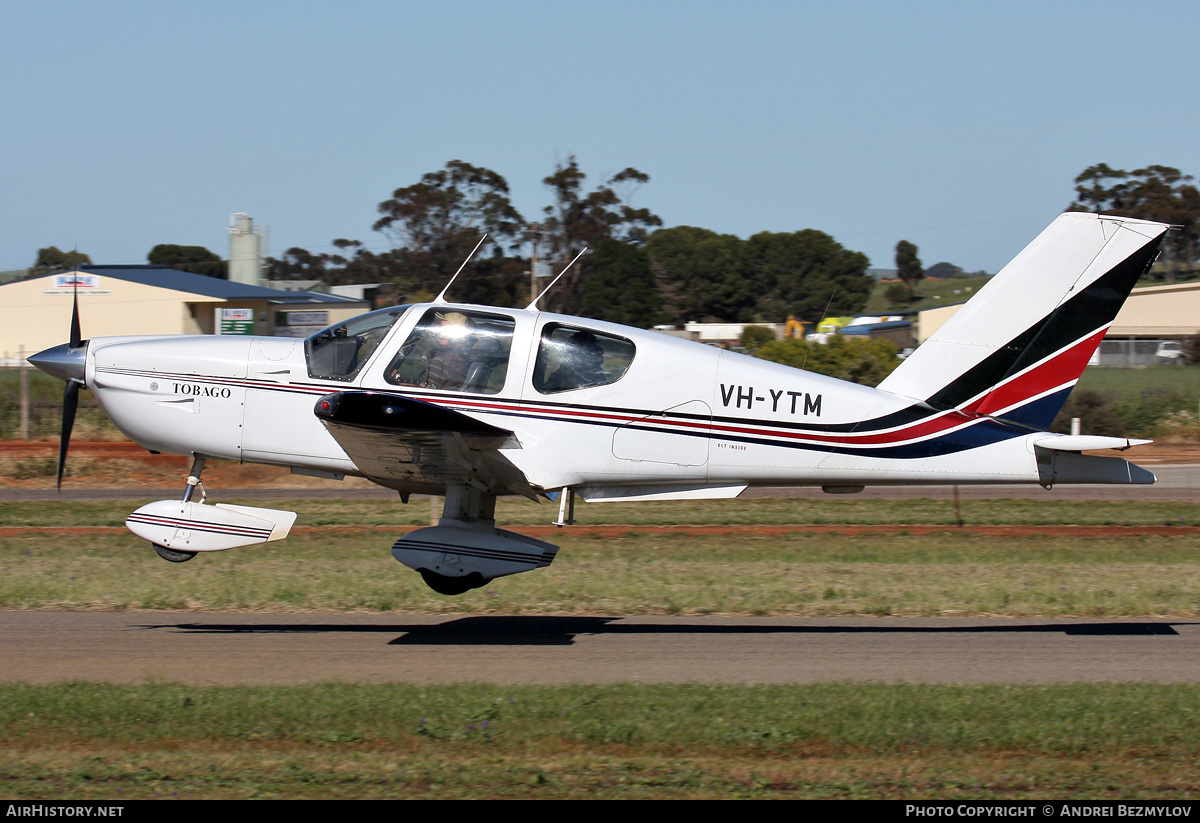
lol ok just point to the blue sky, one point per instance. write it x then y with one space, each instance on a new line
957 126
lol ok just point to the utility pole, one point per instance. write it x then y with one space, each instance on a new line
22 365
535 234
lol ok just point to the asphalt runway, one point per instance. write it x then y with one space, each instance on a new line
260 649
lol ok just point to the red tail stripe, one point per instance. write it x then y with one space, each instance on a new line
1059 370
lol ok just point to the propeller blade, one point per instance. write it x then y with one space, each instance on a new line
76 336
70 403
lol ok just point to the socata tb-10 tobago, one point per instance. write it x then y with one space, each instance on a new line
473 402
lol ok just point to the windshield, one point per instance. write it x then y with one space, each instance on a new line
340 351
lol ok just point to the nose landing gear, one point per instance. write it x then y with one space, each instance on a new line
174 555
179 529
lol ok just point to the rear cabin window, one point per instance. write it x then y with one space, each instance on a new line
340 351
455 350
573 358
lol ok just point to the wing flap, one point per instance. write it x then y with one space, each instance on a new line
411 445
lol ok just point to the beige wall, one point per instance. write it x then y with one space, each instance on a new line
930 320
1160 311
1154 311
35 319
32 318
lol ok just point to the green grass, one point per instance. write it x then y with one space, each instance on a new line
1159 403
45 409
1133 383
94 741
929 293
1159 275
346 566
797 573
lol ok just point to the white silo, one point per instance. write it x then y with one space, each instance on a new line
245 251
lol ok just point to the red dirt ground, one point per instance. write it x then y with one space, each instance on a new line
127 465
105 464
109 464
741 531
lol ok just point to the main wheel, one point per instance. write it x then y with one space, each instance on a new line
172 555
452 585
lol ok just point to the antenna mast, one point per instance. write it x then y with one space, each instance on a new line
533 306
441 298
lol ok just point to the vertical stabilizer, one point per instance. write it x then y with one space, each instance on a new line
1016 349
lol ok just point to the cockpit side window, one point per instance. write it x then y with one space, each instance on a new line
455 350
340 351
573 358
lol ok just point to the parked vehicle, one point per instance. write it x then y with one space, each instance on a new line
1170 351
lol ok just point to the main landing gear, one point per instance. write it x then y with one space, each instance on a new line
465 550
179 529
442 584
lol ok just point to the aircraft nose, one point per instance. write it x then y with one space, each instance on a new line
63 362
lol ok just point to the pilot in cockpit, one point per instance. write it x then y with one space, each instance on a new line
447 344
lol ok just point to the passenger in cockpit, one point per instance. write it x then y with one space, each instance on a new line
449 359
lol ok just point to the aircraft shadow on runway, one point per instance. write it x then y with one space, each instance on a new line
496 630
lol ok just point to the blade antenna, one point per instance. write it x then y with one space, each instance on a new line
808 349
533 306
441 298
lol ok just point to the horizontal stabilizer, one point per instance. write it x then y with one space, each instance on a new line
1086 442
1071 467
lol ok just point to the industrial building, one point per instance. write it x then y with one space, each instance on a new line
35 312
1151 317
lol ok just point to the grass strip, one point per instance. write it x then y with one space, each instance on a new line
795 574
90 741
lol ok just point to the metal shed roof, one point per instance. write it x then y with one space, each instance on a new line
168 278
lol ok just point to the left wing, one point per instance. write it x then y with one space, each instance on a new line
414 446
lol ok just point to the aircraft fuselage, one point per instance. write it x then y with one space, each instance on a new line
681 414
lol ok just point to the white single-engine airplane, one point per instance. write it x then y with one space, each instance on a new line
474 402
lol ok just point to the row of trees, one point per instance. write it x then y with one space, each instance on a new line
639 273
704 275
634 274
1158 193
434 223
52 259
195 259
